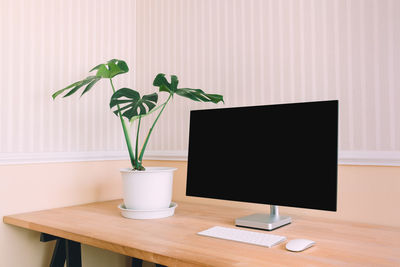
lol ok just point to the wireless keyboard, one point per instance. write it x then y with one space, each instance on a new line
250 237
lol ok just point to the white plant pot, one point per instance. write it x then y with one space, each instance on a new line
147 190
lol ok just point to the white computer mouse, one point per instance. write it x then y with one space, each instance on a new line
297 245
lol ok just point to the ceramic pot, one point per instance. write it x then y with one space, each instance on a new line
147 190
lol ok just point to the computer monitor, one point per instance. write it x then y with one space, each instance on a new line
281 155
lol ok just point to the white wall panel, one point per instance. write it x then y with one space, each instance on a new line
252 51
265 51
45 46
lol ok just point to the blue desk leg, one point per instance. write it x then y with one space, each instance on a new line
70 251
73 254
136 262
65 250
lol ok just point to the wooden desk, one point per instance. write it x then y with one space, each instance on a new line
173 241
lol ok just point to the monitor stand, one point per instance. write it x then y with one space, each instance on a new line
264 221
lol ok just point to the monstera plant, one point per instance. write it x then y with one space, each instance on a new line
129 106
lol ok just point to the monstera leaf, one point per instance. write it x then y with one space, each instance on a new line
128 103
89 81
107 70
111 68
193 94
199 95
131 105
164 86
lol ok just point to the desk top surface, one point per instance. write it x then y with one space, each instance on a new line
173 241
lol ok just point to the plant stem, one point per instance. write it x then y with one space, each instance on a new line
137 145
151 129
126 132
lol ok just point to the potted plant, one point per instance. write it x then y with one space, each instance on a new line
143 188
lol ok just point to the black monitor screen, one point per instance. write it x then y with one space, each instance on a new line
284 154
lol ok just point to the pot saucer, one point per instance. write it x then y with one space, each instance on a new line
147 214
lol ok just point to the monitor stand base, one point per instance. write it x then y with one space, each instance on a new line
264 221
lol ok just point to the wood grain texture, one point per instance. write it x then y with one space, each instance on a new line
173 241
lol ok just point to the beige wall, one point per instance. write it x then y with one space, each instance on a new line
42 186
366 194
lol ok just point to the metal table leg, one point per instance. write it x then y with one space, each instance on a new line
65 250
136 262
70 251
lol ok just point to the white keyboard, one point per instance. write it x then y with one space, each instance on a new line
260 239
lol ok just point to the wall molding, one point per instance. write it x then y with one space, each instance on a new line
50 157
176 155
379 158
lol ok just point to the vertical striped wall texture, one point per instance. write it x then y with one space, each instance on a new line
45 46
267 51
251 51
